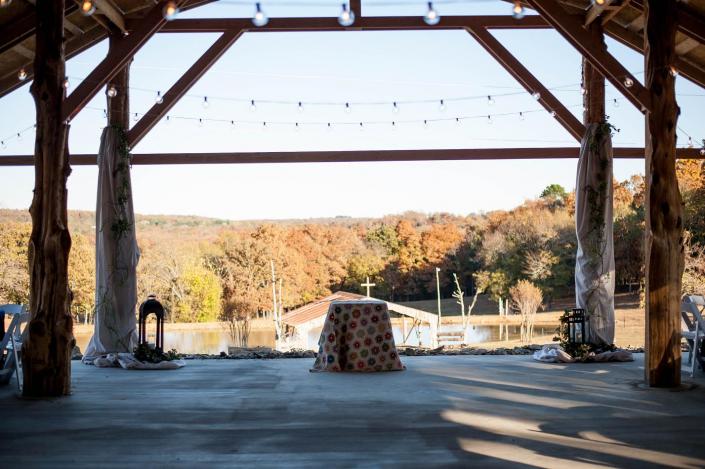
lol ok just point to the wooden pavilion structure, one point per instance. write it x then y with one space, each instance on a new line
37 36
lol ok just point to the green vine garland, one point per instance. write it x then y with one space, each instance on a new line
145 353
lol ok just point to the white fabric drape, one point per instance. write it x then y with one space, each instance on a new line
116 253
594 263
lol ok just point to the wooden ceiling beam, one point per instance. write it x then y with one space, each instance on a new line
571 28
369 156
181 87
636 42
528 81
110 11
23 28
687 22
114 61
213 25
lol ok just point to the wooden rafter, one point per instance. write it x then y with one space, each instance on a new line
636 42
110 11
528 81
117 57
464 154
214 25
181 87
24 28
687 23
571 28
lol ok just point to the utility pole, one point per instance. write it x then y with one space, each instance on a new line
438 293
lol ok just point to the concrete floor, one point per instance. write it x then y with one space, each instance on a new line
442 411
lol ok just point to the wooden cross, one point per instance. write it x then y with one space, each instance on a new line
368 285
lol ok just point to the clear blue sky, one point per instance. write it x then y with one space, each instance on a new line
339 67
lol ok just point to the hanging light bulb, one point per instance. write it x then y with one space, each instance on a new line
490 101
628 82
674 71
431 17
136 117
489 120
87 8
517 10
599 2
159 99
111 92
264 126
301 107
329 127
394 125
200 122
615 103
458 121
19 137
552 113
348 109
441 105
259 19
105 114
66 83
521 116
347 17
22 74
296 126
690 142
253 106
5 3
425 124
3 145
583 90
395 108
702 151
232 125
168 119
536 95
170 11
205 102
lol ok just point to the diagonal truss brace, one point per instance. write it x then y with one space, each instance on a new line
571 28
528 81
181 87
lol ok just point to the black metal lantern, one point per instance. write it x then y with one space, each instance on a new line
152 306
577 324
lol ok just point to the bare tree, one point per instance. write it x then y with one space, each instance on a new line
527 298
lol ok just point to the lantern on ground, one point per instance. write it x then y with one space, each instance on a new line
152 306
577 322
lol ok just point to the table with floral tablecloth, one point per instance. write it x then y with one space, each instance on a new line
357 336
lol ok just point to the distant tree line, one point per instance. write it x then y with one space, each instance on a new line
205 270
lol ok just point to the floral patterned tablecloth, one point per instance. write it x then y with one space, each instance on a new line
357 336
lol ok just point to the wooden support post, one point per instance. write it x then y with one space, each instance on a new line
119 105
593 83
47 350
664 211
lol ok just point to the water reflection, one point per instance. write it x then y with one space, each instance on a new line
214 341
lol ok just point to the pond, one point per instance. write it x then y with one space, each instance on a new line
216 340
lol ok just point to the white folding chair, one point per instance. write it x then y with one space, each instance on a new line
692 309
12 341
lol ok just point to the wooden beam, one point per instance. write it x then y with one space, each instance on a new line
46 354
464 154
22 28
686 46
24 52
74 46
181 87
528 81
117 57
686 22
593 84
664 210
571 28
118 107
636 42
391 23
110 11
